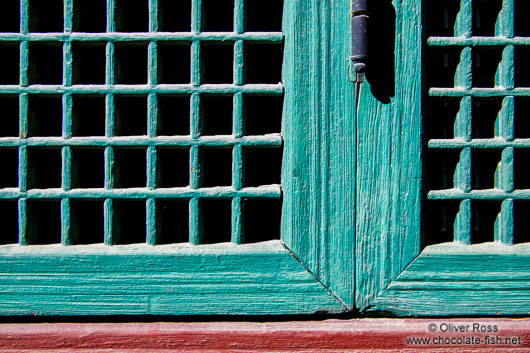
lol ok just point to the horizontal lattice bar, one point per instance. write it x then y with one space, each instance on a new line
495 143
474 41
489 194
143 36
144 89
479 92
228 140
267 191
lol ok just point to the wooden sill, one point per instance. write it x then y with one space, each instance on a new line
302 336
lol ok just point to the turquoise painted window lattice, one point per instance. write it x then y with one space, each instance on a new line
476 124
140 122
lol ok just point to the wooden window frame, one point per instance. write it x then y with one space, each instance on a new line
351 222
394 274
310 270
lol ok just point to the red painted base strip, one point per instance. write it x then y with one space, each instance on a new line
393 335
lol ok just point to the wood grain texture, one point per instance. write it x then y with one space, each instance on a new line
163 280
224 279
446 279
367 335
318 174
389 159
393 275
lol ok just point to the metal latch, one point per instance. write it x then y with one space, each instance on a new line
359 38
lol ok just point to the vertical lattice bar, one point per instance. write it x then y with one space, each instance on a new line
504 128
463 79
194 231
238 46
237 169
504 24
504 125
68 16
194 217
22 222
463 24
109 64
23 163
111 6
195 66
23 168
66 173
151 204
109 115
109 184
237 172
196 16
195 44
237 115
65 222
23 120
152 118
503 231
463 28
65 203
22 171
153 15
151 167
504 172
109 168
463 70
151 125
24 63
462 128
238 235
504 223
504 77
151 221
108 210
462 227
151 170
67 116
24 16
152 50
238 63
239 16
152 63
462 181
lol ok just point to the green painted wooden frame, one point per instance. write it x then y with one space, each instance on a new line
393 274
310 270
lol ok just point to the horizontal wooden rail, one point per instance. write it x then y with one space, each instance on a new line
365 335
139 141
266 191
143 89
143 36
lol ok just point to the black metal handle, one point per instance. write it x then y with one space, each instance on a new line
359 37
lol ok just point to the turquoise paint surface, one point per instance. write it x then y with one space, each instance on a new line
265 278
351 184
